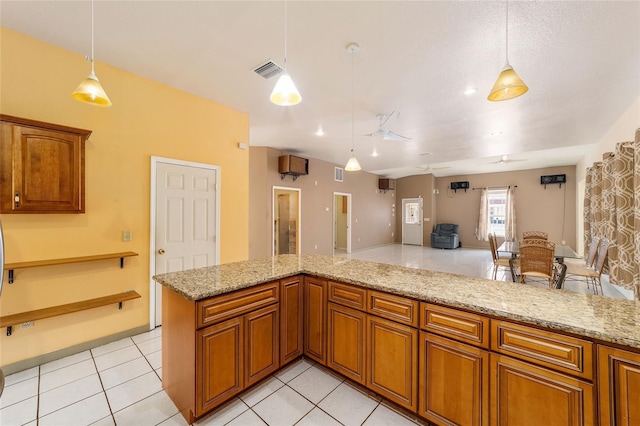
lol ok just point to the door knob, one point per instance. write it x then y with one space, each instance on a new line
161 251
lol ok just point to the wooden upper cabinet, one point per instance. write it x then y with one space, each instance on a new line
42 167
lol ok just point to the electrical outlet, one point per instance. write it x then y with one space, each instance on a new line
315 247
26 324
126 235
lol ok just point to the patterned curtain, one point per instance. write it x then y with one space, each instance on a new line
636 208
612 210
510 217
482 230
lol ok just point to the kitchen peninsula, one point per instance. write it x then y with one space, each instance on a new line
409 335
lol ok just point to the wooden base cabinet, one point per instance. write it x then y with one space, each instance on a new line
392 361
523 394
619 386
346 341
220 364
315 314
454 382
291 307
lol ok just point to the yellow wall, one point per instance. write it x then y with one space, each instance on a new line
147 118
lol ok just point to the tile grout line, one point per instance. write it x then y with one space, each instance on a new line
103 389
38 399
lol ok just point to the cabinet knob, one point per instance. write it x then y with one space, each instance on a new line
160 251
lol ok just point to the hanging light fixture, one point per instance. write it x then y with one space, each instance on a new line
90 90
509 85
285 92
352 164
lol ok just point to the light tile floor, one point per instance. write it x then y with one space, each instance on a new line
120 383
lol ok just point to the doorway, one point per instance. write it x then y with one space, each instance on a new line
412 221
185 207
341 223
286 220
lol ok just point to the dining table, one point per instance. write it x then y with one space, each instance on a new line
562 251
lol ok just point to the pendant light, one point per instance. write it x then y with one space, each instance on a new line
509 84
90 90
352 164
285 92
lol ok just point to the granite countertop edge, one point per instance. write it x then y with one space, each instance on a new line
456 291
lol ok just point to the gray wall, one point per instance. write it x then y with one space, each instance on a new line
372 221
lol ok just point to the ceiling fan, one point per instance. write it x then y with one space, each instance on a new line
504 159
429 169
384 133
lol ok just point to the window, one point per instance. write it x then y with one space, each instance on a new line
412 212
497 211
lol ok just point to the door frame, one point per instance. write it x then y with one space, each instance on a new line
273 217
152 222
420 218
333 243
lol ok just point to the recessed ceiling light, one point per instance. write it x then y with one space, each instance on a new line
319 132
470 91
374 153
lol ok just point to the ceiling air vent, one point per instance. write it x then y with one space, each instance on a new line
268 69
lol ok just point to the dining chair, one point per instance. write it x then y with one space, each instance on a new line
537 260
591 273
538 235
591 256
498 262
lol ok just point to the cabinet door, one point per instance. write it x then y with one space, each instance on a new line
290 319
454 382
43 169
346 341
219 364
392 361
619 386
523 394
315 319
262 330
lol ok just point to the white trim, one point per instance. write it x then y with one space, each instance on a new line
344 194
152 223
273 215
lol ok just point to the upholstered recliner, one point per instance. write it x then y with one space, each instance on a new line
445 236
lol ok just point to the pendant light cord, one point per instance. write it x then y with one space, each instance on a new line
285 36
352 97
92 70
507 34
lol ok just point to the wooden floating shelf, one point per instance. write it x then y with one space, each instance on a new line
38 314
49 262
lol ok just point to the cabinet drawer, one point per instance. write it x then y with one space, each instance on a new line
463 326
559 352
239 302
396 308
347 295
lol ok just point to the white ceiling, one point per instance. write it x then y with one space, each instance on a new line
580 59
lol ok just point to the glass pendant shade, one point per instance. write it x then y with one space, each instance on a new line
91 92
285 92
508 86
352 164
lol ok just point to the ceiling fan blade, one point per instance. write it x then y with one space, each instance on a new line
390 136
384 119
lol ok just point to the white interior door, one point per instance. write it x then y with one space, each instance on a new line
186 225
412 221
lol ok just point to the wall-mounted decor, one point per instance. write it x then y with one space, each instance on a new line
460 185
292 165
385 185
548 179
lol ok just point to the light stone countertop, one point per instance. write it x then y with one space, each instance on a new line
598 317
